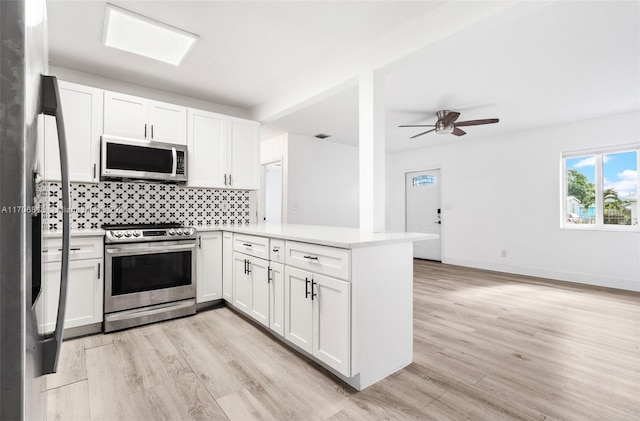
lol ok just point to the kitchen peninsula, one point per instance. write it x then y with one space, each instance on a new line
340 296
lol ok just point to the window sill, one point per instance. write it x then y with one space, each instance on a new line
611 228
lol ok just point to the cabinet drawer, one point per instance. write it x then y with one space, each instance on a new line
251 245
80 248
323 260
276 251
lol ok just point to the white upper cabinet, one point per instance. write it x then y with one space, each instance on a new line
207 149
141 118
82 113
245 154
168 123
224 152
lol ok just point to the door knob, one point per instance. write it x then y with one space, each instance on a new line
438 222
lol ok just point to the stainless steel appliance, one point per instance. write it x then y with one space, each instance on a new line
134 159
150 274
26 95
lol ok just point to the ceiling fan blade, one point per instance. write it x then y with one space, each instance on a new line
420 134
450 118
457 132
477 122
418 125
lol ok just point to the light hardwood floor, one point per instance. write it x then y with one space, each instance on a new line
488 346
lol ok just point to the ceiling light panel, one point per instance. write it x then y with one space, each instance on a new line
141 35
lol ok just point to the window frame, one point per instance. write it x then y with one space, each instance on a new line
598 154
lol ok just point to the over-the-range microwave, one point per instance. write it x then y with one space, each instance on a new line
123 158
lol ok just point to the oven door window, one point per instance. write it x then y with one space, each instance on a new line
146 272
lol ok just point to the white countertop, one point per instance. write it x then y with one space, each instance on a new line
74 233
328 236
347 238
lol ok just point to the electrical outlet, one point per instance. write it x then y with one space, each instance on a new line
503 253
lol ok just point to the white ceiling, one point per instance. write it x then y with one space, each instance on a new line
530 66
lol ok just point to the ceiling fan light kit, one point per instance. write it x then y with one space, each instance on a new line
446 124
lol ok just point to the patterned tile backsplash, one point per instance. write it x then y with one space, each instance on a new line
114 202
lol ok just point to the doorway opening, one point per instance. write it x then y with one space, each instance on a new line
272 176
423 211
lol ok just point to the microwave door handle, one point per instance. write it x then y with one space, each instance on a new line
174 153
51 105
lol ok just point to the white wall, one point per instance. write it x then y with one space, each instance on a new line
322 182
82 78
504 193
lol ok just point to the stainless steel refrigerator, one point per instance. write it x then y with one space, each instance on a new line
26 95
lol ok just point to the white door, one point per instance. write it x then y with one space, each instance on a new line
227 266
241 283
423 211
207 160
209 264
273 192
298 310
126 115
331 322
276 298
84 293
168 123
259 290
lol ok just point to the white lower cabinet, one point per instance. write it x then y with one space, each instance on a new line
251 286
209 267
84 293
317 317
276 298
227 266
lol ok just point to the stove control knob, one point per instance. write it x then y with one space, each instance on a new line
172 232
117 234
185 231
127 234
137 233
179 231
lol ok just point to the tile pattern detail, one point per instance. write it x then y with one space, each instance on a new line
123 203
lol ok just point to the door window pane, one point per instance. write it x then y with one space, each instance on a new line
620 195
581 193
423 180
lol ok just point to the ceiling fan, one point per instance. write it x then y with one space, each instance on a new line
446 124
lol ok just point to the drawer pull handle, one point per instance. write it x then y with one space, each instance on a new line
276 250
71 249
247 245
311 257
313 284
306 287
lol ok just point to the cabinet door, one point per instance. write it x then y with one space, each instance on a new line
167 123
259 290
245 154
298 308
276 298
241 283
227 266
207 160
331 322
84 293
82 111
126 115
209 264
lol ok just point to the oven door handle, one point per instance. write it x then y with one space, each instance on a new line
127 251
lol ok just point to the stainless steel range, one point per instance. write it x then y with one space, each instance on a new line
150 274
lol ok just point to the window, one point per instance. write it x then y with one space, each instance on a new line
423 180
600 188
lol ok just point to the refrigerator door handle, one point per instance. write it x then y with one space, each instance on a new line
51 105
